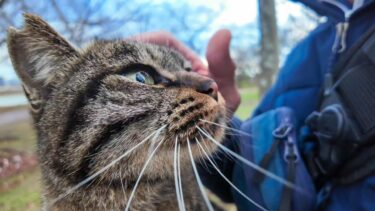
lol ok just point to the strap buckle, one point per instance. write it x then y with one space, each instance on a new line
283 131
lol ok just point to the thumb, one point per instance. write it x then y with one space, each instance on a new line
222 68
220 63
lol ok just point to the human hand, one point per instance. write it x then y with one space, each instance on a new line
221 67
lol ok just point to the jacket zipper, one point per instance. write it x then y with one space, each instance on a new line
339 44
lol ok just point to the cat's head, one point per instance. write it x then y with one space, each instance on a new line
91 106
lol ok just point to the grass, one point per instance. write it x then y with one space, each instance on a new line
18 136
22 191
249 99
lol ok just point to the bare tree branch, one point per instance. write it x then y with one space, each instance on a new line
81 21
63 19
2 2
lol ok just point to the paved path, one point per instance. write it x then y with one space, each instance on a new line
14 116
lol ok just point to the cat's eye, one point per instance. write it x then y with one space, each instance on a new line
141 77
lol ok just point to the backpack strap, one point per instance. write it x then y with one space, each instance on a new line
273 146
358 168
287 195
345 121
279 134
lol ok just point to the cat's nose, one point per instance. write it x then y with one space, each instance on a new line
208 87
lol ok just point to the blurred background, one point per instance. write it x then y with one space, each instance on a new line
264 31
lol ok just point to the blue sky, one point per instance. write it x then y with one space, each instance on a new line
235 12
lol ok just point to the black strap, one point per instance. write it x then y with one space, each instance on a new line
264 163
351 55
358 168
286 197
279 135
353 80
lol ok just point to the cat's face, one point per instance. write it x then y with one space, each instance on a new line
91 107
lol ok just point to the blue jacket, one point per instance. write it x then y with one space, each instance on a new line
300 80
298 86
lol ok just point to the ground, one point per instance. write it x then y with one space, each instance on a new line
20 187
21 191
249 99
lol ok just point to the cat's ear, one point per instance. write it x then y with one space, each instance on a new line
39 54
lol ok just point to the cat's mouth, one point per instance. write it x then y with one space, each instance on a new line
189 120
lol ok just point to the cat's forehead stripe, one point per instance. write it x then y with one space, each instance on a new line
117 55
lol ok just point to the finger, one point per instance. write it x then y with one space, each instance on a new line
167 39
218 56
222 68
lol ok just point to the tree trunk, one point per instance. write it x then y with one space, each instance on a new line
269 61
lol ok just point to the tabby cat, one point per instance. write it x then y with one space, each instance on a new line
91 106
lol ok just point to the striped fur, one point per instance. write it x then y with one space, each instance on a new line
87 114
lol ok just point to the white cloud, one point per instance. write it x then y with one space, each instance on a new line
239 12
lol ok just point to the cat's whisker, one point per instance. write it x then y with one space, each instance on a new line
200 184
251 164
122 184
215 152
153 142
228 113
228 128
90 178
202 161
179 176
251 145
224 153
179 202
140 176
230 133
228 181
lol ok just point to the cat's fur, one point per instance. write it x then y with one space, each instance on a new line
87 114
